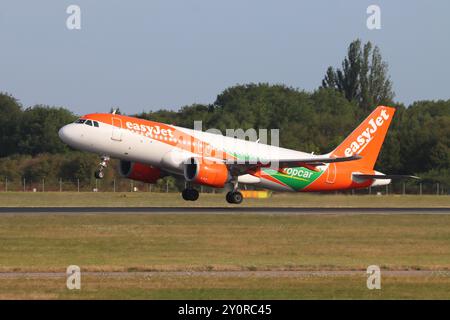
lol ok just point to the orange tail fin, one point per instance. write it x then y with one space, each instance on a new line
366 140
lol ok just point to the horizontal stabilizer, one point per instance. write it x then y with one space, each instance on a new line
383 176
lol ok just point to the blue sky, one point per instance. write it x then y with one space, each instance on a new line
146 55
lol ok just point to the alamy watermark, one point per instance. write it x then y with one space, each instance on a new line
73 21
374 278
73 281
373 22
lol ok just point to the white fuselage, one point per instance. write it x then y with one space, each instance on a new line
125 143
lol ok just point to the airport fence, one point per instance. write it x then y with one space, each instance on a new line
167 184
170 184
406 188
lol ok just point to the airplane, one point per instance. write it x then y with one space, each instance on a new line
149 151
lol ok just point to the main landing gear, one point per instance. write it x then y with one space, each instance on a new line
99 174
190 194
234 196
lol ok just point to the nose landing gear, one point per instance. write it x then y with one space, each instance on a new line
99 174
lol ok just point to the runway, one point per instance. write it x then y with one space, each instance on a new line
222 210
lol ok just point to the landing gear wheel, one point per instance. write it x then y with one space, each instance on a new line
193 194
228 197
234 197
99 174
184 194
190 194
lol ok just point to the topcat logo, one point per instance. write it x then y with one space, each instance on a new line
367 135
157 130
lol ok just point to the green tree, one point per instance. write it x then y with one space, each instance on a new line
39 130
79 166
10 119
363 77
424 136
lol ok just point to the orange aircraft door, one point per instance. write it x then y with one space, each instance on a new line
331 173
117 129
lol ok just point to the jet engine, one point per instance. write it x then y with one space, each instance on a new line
206 172
139 171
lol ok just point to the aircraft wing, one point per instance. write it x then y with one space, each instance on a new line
285 163
243 167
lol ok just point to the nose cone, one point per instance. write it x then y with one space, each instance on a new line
67 134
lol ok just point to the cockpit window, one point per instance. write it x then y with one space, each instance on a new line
88 122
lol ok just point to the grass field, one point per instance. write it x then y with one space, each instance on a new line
147 199
157 287
99 242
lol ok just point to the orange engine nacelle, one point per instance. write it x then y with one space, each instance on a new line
139 171
206 173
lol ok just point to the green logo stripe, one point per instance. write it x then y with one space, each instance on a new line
297 178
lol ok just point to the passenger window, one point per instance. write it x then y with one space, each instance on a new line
95 124
88 122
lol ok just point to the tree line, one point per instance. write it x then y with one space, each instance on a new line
417 142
